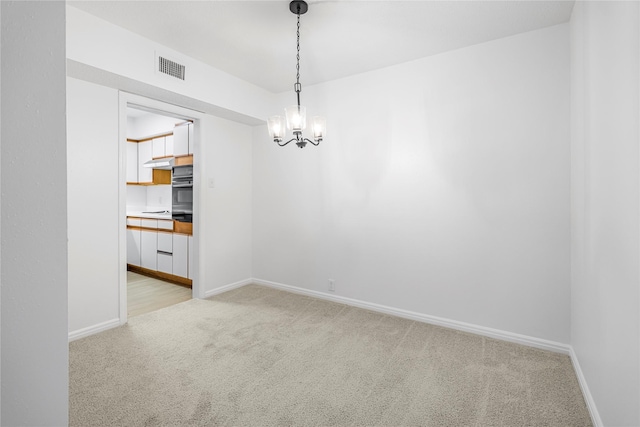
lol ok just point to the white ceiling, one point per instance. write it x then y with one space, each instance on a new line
255 40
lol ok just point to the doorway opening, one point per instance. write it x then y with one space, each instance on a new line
159 209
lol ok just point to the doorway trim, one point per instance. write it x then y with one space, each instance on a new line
126 99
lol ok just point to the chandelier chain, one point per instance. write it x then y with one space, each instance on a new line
298 52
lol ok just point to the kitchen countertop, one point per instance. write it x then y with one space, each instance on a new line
141 214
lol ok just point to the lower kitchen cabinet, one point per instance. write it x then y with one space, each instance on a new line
165 250
149 249
165 262
133 246
180 254
153 247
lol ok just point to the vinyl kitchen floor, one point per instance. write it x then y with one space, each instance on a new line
146 294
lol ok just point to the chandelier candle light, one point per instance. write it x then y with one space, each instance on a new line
296 115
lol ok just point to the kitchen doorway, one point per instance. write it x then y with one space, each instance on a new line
161 259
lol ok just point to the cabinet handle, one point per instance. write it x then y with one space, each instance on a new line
165 253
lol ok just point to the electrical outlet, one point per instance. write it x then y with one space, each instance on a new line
332 285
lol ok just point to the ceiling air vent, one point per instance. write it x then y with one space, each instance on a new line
170 68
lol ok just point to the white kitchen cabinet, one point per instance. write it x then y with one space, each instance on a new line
149 249
158 147
180 254
149 223
132 162
165 242
191 255
134 222
165 255
163 146
165 263
145 153
168 145
133 247
183 139
165 225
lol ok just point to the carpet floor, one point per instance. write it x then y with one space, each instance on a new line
258 356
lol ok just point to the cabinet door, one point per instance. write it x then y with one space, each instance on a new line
180 254
133 247
158 147
181 140
132 162
168 145
145 152
165 263
191 139
149 252
165 242
191 256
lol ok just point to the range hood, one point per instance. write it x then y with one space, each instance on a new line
164 163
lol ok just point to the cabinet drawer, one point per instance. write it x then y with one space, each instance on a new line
150 223
134 222
165 242
165 225
165 263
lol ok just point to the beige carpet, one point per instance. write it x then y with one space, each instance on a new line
257 356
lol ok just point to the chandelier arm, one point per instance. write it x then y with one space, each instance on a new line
283 144
314 143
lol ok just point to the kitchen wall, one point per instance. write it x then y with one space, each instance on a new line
442 188
34 347
605 212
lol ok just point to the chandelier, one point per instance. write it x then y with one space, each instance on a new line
296 115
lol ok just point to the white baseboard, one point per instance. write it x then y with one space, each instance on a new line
588 398
434 320
90 330
228 287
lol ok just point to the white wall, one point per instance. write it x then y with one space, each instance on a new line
605 297
93 188
442 188
150 125
34 358
225 208
136 197
97 43
158 197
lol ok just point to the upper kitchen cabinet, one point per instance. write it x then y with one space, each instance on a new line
163 147
132 162
145 153
141 151
183 140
